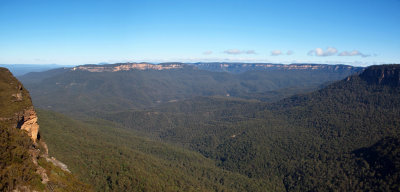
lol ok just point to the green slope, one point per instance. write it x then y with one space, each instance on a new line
13 96
16 166
113 159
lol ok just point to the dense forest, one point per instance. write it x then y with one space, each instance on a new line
341 137
115 159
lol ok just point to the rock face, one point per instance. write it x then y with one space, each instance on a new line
26 119
382 75
28 122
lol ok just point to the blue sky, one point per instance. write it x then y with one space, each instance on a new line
357 32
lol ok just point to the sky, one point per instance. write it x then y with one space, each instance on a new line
74 32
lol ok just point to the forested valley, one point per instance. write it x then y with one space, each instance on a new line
191 129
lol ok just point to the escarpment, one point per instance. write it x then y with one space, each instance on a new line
382 75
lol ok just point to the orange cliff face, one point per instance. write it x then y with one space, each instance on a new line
127 67
28 122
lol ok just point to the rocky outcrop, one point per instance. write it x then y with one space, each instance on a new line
58 163
27 120
382 75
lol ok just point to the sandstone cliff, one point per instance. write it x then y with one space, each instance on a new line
27 120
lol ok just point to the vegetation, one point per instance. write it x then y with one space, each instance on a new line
343 137
13 96
16 166
114 159
295 139
60 180
17 169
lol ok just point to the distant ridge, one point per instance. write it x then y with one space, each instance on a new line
128 66
242 67
138 85
214 66
22 69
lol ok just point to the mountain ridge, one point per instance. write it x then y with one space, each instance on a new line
212 66
133 88
242 67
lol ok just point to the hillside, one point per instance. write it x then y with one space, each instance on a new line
24 162
114 159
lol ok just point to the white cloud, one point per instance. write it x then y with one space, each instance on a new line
290 52
41 61
353 53
276 52
214 59
207 52
323 53
233 51
238 52
250 52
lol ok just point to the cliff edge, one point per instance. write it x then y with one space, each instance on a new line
16 105
24 161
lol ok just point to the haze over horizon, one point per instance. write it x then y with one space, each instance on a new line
359 33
